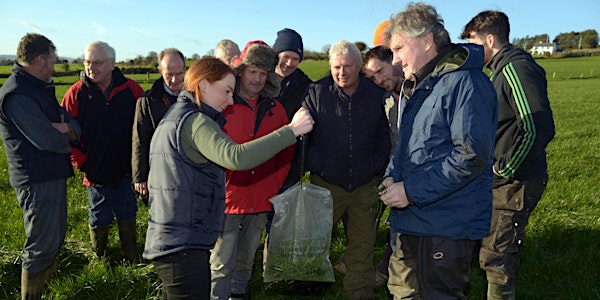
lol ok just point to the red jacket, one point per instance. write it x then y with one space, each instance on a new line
104 152
249 191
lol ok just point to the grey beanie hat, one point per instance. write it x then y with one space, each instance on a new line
259 54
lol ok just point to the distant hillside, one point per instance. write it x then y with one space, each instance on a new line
8 59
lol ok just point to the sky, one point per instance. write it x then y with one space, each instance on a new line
135 27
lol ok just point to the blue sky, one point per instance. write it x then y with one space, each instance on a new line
135 27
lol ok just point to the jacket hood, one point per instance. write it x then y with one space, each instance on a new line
506 55
454 57
461 56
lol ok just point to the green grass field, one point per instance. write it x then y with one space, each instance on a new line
563 236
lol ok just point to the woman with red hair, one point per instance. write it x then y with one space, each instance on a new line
188 154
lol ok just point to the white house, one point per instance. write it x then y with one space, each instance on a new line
541 48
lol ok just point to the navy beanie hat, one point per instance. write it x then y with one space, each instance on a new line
289 40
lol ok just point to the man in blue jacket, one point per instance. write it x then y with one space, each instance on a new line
525 127
440 183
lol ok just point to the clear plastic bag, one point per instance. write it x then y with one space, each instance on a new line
300 236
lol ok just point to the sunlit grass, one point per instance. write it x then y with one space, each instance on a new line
563 236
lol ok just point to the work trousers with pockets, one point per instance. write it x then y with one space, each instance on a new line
424 267
500 254
360 206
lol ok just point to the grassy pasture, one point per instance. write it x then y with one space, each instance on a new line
563 236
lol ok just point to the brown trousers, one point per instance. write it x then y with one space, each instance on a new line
360 205
501 250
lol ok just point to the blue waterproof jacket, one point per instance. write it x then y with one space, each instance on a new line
445 149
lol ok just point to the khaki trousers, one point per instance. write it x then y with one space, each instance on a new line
360 205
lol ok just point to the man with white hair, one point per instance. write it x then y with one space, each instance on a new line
226 50
347 153
103 102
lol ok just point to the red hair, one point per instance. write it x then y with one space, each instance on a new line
209 68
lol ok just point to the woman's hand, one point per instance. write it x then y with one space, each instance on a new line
302 122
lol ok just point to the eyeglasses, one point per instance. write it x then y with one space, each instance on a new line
94 62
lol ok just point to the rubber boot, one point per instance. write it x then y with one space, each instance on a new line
51 270
127 235
32 284
99 237
500 292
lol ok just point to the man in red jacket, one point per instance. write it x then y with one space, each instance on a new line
254 114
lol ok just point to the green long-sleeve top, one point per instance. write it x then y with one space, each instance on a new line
203 139
188 152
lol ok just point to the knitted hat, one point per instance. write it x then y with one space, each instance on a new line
289 40
258 54
378 38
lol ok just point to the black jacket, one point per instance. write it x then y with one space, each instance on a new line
525 122
149 110
291 93
350 142
28 160
104 154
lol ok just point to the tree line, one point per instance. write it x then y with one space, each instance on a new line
587 39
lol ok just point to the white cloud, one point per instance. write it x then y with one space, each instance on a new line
99 28
140 31
32 25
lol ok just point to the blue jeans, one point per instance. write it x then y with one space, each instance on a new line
45 218
106 201
184 275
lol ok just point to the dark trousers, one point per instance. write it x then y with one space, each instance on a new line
184 275
429 267
45 222
500 253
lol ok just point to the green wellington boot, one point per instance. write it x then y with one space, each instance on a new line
500 292
127 235
99 238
